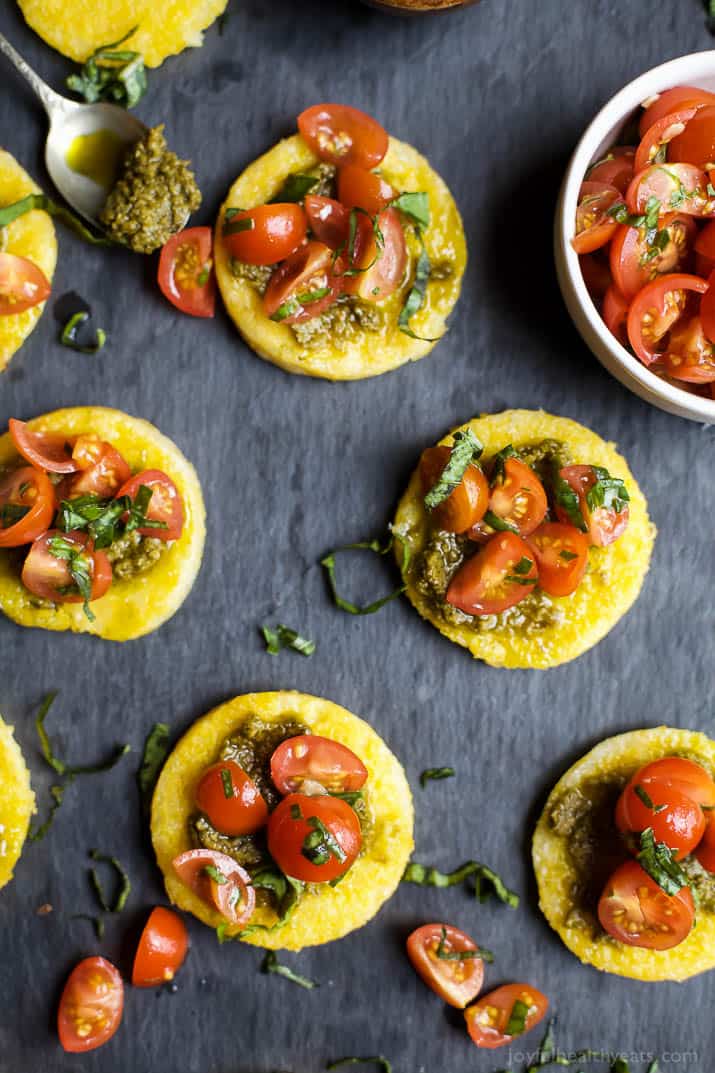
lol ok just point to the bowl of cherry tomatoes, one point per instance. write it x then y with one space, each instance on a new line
635 236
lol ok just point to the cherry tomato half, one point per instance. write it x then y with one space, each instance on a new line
22 284
615 314
456 981
220 881
561 557
501 574
704 246
314 839
305 285
638 255
309 757
343 135
594 227
705 852
162 949
689 354
328 220
707 307
231 799
186 275
604 525
653 144
101 470
466 504
488 1019
45 450
674 818
596 274
379 263
48 576
364 189
518 497
656 309
27 506
676 187
696 143
165 505
670 100
615 169
91 1006
266 234
634 910
687 776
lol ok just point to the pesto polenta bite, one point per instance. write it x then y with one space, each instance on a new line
624 852
28 255
340 252
17 802
523 537
283 820
102 523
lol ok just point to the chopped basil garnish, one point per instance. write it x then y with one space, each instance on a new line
295 813
416 296
156 747
96 922
213 873
658 861
103 518
78 565
375 1060
567 498
436 773
367 545
486 881
516 1025
415 206
108 75
321 844
124 885
271 964
8 213
465 450
235 227
499 461
500 524
283 637
11 514
524 566
287 893
68 336
57 793
647 800
138 508
609 492
461 955
295 188
568 556
69 771
227 783
521 569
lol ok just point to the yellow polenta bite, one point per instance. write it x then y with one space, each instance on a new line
624 855
17 802
102 523
164 27
340 252
28 255
283 820
523 537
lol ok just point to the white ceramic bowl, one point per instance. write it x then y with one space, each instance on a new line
697 69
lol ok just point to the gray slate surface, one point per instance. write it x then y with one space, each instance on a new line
497 96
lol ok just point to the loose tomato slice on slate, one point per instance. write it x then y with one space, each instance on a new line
705 852
91 1006
165 506
220 881
504 1014
653 145
466 504
265 235
656 309
328 220
48 576
231 799
358 187
501 574
314 839
517 497
308 757
673 817
639 255
615 169
27 506
615 314
45 450
343 135
687 776
634 910
561 557
696 143
101 470
162 949
22 284
603 524
186 275
670 100
305 285
434 952
377 262
594 227
676 187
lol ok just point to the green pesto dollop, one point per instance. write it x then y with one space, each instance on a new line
343 322
152 197
701 882
257 275
133 554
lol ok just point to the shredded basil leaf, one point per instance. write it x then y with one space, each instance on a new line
78 565
486 881
57 793
287 892
516 1025
124 887
567 498
436 773
271 964
8 213
69 770
416 295
11 514
658 861
156 746
321 844
608 492
227 783
415 206
328 562
213 873
108 75
235 227
465 450
284 637
295 188
68 336
647 800
96 922
500 524
568 556
461 955
376 1060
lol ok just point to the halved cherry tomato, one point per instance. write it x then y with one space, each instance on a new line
30 490
705 852
615 314
670 100
379 264
655 310
594 227
165 505
456 981
48 576
305 285
45 450
102 470
707 308
231 799
518 497
220 881
561 557
501 574
186 274
674 818
314 839
309 757
488 1019
22 284
689 355
604 525
467 504
91 1006
634 910
596 274
705 250
696 143
676 187
162 949
638 255
653 144
269 233
343 135
328 220
358 187
615 169
687 776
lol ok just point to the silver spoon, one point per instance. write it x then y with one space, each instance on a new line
68 120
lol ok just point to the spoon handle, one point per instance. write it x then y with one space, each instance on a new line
51 101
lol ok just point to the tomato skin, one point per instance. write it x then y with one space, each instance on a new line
162 949
234 899
91 1006
101 469
363 189
488 1018
596 274
616 169
277 232
660 134
22 285
518 497
481 586
321 760
44 575
165 505
670 100
44 450
185 259
380 271
632 265
663 301
705 250
687 776
241 813
309 270
456 982
38 497
343 135
680 823
680 187
594 227
615 314
707 307
705 852
289 827
696 144
559 576
689 355
634 910
467 504
604 525
328 220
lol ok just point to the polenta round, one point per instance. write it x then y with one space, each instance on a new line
575 623
614 761
324 913
77 28
134 606
368 353
17 802
31 236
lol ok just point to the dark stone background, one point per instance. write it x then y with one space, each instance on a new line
497 96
